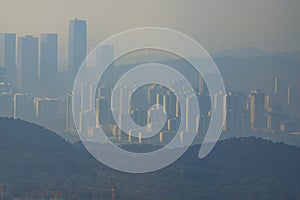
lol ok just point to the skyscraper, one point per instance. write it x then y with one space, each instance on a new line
8 56
23 107
77 44
48 61
27 63
275 117
3 75
281 91
104 55
70 126
46 112
236 114
257 110
293 98
6 105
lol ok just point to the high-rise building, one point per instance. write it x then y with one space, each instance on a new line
201 84
28 63
257 110
48 62
236 114
23 107
275 117
70 126
8 56
3 75
281 91
77 44
46 112
6 105
104 55
293 98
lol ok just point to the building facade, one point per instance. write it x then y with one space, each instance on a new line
28 63
77 44
48 61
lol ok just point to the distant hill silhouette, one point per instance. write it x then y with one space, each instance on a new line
35 159
243 52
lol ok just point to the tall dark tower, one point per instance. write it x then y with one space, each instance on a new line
8 56
48 62
77 44
28 63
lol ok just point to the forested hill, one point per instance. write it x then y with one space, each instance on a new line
35 159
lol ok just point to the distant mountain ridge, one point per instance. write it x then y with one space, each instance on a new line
242 52
242 69
35 159
253 52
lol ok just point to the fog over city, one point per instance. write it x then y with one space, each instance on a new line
66 133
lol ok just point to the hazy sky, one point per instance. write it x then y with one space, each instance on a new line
271 25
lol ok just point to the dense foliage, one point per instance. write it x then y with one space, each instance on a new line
35 159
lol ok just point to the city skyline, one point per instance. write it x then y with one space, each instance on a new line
63 42
39 72
149 99
31 63
236 24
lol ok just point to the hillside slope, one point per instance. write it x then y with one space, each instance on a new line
35 159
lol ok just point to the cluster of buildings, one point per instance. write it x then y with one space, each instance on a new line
277 111
30 64
32 89
246 112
